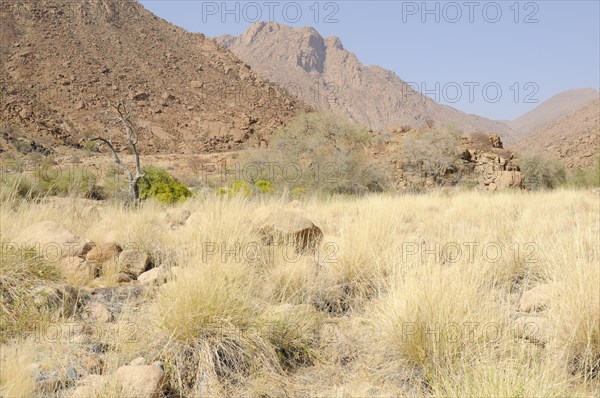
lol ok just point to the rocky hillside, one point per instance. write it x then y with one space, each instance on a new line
321 72
552 110
575 138
61 60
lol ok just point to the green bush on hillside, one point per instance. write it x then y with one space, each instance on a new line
542 171
158 183
264 186
242 188
320 152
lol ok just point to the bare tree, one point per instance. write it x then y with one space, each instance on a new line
132 131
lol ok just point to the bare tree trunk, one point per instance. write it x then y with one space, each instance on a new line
132 136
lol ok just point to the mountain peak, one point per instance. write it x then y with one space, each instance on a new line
324 74
334 42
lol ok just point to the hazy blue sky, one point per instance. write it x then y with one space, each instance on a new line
528 50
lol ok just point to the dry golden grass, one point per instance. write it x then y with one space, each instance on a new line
423 287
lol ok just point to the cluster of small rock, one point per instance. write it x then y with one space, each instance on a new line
80 260
530 322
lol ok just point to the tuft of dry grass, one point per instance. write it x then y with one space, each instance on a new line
433 321
575 317
16 370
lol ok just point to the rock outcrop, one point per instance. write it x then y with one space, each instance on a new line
493 166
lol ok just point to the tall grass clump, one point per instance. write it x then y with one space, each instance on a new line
21 271
16 374
586 177
432 322
209 315
575 317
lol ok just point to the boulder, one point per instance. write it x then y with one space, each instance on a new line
536 299
510 179
90 386
76 270
91 363
141 381
176 217
53 241
138 361
95 311
141 96
62 298
104 252
287 227
133 262
155 276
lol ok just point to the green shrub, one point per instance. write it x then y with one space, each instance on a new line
299 192
158 183
321 152
240 188
221 191
66 181
542 171
264 186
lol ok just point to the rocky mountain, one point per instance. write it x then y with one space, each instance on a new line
575 138
62 60
323 73
552 110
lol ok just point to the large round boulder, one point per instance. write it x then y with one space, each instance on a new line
283 227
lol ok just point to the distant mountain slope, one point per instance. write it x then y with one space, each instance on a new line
321 72
553 110
575 138
61 59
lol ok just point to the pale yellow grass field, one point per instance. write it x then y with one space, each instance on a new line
418 293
